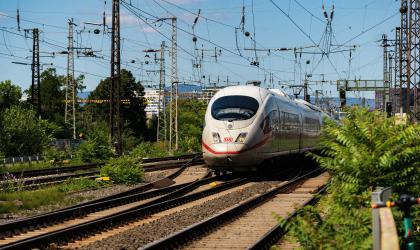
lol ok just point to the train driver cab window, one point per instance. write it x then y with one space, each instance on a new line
234 107
270 122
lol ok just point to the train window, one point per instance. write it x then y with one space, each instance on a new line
234 107
312 124
290 121
270 122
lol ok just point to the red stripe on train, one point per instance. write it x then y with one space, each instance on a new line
235 152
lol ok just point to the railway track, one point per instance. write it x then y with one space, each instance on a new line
172 214
184 180
32 179
250 224
149 162
173 196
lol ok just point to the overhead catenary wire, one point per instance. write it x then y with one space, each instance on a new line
125 4
306 34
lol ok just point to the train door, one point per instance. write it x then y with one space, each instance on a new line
269 127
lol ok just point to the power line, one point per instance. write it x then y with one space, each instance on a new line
128 5
367 30
306 34
310 13
29 21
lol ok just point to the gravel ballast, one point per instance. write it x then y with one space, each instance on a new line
142 235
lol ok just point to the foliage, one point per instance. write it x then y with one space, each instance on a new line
95 149
73 185
190 124
124 169
149 150
10 183
129 140
9 94
53 95
14 201
21 132
132 112
367 150
51 130
54 156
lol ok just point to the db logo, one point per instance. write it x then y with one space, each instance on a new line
228 139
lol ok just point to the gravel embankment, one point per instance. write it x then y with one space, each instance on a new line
142 235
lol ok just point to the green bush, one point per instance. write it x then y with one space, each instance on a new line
129 140
149 150
21 132
54 156
124 169
14 201
73 185
95 149
366 151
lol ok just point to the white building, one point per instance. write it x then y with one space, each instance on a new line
152 102
209 92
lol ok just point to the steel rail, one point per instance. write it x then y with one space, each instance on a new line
277 232
132 195
49 171
141 211
177 239
58 170
56 178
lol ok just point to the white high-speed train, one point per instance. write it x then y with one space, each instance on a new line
245 125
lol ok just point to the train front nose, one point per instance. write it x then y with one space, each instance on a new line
228 156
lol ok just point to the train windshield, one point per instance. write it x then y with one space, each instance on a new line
234 107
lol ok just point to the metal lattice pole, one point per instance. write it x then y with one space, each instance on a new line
173 115
114 90
36 81
385 93
70 107
396 104
161 121
391 66
404 63
414 60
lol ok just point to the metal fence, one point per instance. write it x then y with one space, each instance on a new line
21 159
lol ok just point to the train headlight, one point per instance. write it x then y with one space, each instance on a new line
241 137
216 138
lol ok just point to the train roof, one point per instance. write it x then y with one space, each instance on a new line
249 90
307 104
260 94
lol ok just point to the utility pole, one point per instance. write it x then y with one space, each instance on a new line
173 114
114 90
70 107
385 91
404 53
161 122
396 102
413 85
36 81
161 126
305 89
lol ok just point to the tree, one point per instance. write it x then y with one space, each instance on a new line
52 95
367 150
9 94
190 124
21 133
132 110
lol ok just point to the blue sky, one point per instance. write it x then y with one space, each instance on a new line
282 24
